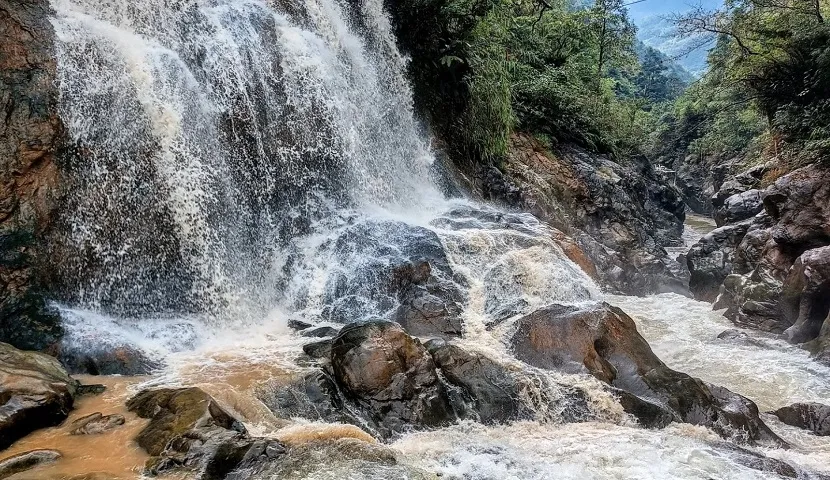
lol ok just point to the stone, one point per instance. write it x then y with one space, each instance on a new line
814 417
106 360
35 392
188 430
778 276
737 208
603 341
96 423
390 375
710 260
298 325
320 332
30 179
628 209
805 299
758 461
318 350
489 388
27 461
648 414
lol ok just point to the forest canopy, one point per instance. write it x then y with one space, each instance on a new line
573 72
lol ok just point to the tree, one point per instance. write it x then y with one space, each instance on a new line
614 34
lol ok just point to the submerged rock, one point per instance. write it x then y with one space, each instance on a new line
27 461
106 360
35 392
96 423
814 417
189 430
604 342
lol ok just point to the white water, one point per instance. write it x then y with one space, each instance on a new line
243 163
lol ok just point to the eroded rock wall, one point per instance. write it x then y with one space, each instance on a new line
621 213
31 136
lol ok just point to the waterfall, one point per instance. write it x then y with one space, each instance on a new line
207 130
238 164
236 157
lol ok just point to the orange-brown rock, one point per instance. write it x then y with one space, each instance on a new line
31 135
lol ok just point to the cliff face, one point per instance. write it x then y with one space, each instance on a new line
769 259
621 213
30 182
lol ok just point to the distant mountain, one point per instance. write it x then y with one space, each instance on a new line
671 66
658 32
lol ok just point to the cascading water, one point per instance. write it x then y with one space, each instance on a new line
240 163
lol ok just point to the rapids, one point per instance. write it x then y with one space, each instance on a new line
243 163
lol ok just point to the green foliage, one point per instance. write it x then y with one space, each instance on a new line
483 69
768 88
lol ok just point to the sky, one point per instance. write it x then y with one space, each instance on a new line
648 8
655 31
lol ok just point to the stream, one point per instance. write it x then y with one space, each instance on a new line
245 164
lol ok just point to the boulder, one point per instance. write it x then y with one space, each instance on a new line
805 298
106 360
489 389
320 332
318 350
648 414
96 423
710 260
739 184
27 461
604 342
428 307
777 284
739 207
189 430
390 376
814 417
35 392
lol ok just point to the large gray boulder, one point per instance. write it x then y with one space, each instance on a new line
604 342
809 416
710 260
739 207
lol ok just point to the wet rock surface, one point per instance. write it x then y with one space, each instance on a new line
35 392
106 360
627 208
407 278
776 278
380 378
31 135
27 461
391 375
189 430
814 417
710 260
604 342
96 423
